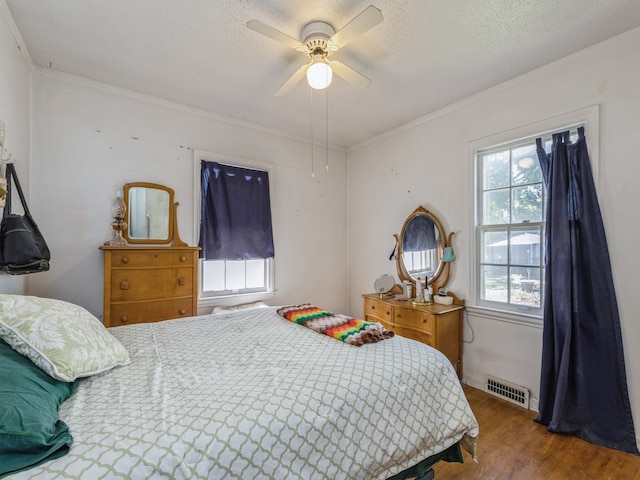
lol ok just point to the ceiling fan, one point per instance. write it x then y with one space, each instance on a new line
319 41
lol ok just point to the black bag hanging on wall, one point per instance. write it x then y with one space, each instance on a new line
22 247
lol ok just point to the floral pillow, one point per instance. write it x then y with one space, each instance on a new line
63 339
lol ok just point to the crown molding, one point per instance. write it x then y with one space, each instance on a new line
17 36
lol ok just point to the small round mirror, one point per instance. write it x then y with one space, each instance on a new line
384 284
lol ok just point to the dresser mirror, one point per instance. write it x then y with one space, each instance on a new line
150 214
420 247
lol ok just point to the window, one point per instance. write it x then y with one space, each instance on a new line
510 225
236 241
509 221
234 277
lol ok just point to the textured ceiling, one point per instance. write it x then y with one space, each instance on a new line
426 54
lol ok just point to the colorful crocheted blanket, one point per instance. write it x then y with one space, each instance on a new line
347 329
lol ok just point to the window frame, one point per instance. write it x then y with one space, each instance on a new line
228 298
508 228
587 117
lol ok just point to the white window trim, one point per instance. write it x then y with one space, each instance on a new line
505 316
590 118
229 300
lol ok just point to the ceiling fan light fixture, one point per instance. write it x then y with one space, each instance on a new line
319 73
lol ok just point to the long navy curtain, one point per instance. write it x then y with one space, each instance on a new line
583 386
235 213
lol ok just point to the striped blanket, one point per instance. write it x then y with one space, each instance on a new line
341 327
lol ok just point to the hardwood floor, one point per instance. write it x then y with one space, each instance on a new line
512 446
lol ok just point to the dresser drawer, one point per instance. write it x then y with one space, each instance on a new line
144 312
149 284
387 326
375 311
418 335
414 318
152 258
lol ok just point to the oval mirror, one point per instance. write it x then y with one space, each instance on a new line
149 213
420 247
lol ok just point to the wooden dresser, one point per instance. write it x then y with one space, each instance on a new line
148 284
439 326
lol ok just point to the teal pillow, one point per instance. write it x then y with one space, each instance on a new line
30 429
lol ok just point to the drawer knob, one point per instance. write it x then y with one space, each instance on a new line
182 282
182 311
183 258
124 285
125 260
373 307
424 320
124 319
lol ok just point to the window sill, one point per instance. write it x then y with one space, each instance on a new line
505 316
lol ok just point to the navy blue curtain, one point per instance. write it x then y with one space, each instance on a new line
419 235
583 386
235 213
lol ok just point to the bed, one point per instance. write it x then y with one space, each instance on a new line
249 394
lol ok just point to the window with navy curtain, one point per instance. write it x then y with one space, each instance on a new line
235 213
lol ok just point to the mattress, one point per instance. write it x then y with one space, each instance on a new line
249 394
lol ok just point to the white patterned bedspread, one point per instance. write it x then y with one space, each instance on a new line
250 395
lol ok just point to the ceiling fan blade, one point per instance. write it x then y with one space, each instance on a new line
365 20
293 80
350 75
277 35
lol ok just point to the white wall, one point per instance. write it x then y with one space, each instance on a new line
14 113
89 139
429 163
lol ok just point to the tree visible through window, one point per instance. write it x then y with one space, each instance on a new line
511 199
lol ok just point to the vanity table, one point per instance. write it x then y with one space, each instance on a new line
155 276
423 250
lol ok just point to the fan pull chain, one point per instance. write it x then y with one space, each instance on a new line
313 174
326 133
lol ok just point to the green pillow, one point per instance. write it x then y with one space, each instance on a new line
61 338
30 429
